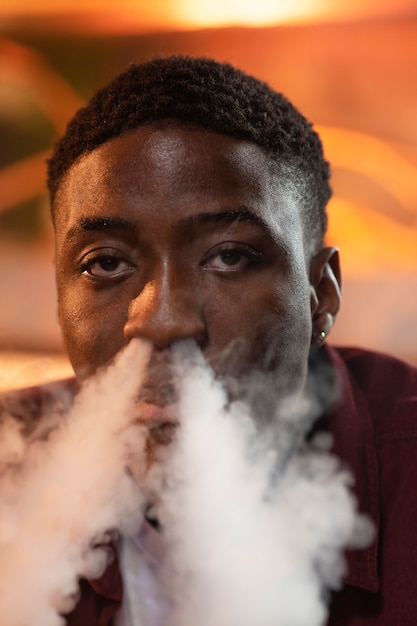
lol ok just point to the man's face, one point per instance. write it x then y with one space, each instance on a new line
171 233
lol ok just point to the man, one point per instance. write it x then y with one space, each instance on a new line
189 202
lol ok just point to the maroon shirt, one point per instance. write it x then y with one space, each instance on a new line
375 432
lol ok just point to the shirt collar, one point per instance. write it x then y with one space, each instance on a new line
152 544
354 443
109 585
149 541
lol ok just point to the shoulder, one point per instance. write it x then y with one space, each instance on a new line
378 374
368 365
386 384
33 406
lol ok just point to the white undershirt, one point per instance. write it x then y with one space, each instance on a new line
141 563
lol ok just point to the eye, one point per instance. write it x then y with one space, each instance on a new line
231 257
106 266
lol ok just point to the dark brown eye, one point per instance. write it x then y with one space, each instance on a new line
231 257
106 266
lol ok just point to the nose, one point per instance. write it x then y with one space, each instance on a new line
164 313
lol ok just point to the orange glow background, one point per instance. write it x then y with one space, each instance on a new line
350 66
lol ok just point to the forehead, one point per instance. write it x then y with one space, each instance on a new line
171 171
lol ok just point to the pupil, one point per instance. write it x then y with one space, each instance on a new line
231 258
109 264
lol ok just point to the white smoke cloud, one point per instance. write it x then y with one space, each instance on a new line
255 520
62 494
250 547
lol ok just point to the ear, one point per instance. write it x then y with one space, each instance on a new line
325 293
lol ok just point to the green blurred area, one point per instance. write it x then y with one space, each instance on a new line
83 62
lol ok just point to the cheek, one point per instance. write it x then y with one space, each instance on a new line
248 327
293 335
268 327
92 334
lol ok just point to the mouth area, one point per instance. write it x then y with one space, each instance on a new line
157 400
162 434
157 403
155 413
160 422
160 425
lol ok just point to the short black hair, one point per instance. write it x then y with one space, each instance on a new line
212 95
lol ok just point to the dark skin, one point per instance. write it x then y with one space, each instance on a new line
173 233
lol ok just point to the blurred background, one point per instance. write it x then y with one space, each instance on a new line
349 65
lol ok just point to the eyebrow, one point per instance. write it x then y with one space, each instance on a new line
106 224
99 224
230 216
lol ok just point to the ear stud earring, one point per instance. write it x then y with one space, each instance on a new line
319 337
